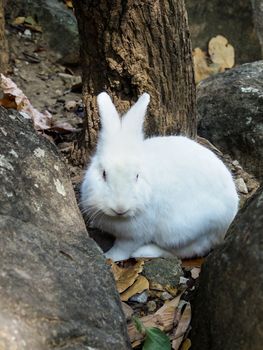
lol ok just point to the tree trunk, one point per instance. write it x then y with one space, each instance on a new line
3 42
130 47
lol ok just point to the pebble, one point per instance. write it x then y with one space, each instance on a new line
151 306
27 33
241 185
166 296
140 298
70 105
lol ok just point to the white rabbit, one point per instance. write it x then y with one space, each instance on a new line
159 196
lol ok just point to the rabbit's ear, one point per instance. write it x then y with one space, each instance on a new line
132 121
109 117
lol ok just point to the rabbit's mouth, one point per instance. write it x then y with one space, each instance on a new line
120 212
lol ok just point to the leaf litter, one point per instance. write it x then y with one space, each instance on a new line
167 327
14 98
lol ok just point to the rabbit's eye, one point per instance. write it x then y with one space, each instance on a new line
104 175
137 176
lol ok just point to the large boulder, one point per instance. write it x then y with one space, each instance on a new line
258 19
59 25
228 310
56 290
232 19
230 114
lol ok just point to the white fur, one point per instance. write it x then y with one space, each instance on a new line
182 202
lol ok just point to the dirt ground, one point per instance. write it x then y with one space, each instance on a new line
49 86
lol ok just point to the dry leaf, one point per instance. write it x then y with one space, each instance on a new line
182 326
69 4
186 344
41 121
18 20
201 68
28 22
125 277
162 319
193 262
221 52
62 127
138 286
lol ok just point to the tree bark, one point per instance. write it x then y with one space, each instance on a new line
129 47
3 42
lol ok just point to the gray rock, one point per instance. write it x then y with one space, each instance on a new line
233 19
56 290
228 310
57 21
166 272
230 113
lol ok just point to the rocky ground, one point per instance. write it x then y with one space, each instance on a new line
49 86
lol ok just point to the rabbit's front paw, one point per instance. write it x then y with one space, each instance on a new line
116 254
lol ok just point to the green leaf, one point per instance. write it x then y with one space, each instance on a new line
138 324
156 340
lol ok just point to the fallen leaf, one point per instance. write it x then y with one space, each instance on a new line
41 121
125 277
186 344
201 68
182 326
221 52
162 319
138 286
193 262
18 20
69 4
28 22
62 127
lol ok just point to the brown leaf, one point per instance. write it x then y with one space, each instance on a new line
138 286
193 262
162 319
186 344
41 121
125 277
182 327
62 127
18 20
69 3
201 68
221 52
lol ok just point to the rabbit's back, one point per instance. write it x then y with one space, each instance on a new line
193 192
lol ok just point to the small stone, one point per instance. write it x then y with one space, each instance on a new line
151 306
166 296
58 92
140 298
27 33
70 105
241 186
183 280
128 311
